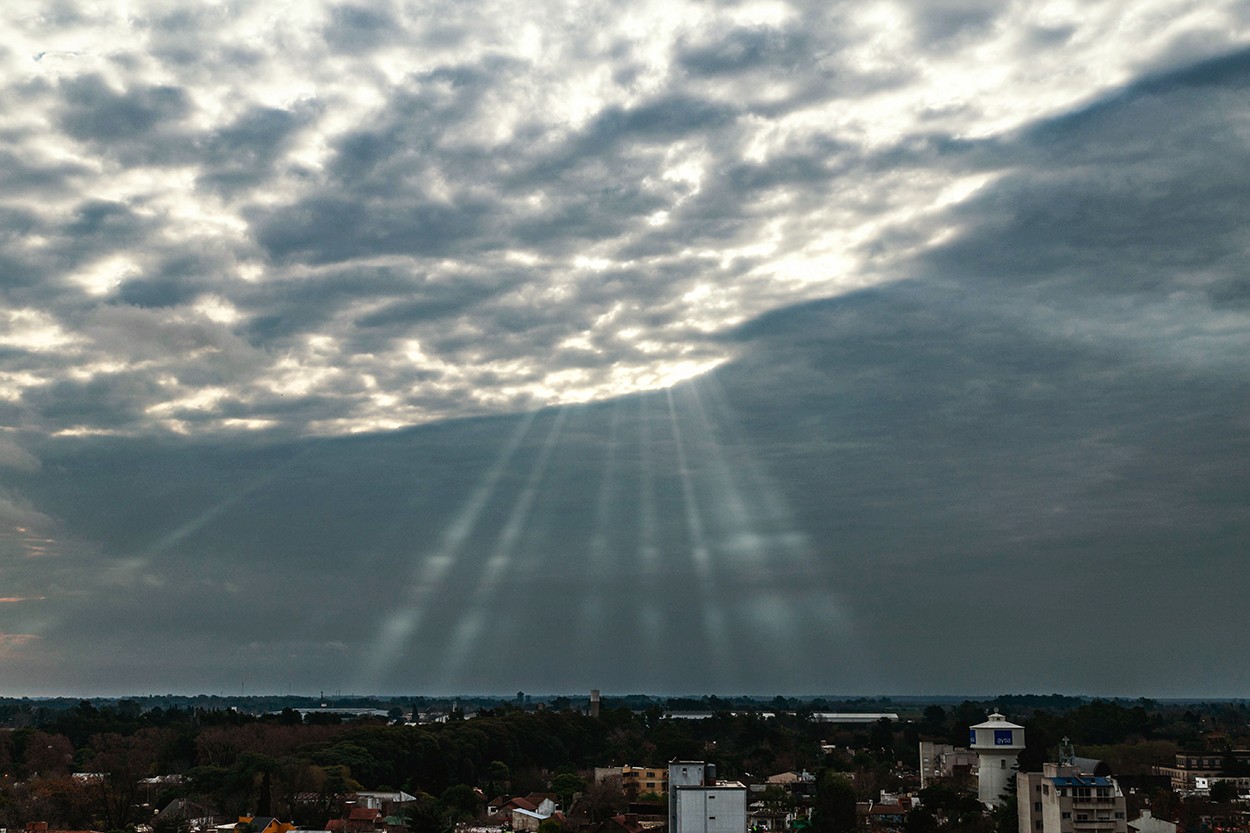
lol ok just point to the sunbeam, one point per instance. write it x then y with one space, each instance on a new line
201 520
593 624
648 551
428 575
802 599
481 600
715 626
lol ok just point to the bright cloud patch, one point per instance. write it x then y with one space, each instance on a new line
343 218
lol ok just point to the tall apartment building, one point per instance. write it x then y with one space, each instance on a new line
1069 797
699 803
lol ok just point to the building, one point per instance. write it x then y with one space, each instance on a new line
998 744
941 760
699 803
1147 823
882 818
528 820
1192 769
636 780
1069 797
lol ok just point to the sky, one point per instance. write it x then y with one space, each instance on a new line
674 347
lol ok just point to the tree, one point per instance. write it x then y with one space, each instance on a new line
882 736
920 820
498 777
566 785
119 763
425 815
834 808
1223 792
605 798
460 802
934 720
1006 815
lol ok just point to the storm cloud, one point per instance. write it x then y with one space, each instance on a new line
750 347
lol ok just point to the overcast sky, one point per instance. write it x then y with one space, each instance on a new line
760 347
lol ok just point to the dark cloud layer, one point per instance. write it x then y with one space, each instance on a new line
979 376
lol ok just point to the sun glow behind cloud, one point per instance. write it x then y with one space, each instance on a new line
298 179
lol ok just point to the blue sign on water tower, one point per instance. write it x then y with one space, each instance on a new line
1002 737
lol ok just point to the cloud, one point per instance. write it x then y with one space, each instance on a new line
13 642
13 456
297 205
841 312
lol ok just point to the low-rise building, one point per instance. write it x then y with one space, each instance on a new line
942 760
636 780
1147 823
1188 767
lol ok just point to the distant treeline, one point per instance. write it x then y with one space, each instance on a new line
248 757
1007 703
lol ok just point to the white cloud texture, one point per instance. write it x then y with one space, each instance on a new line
330 218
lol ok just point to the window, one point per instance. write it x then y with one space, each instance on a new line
1045 789
1037 806
1082 816
1037 825
1065 815
1119 814
1002 763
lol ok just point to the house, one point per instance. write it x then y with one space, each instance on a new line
523 819
504 806
258 824
881 817
1147 823
363 820
268 824
197 816
42 827
389 802
624 823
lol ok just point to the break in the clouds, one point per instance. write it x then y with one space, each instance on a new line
862 325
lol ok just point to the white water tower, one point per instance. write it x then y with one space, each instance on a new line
998 744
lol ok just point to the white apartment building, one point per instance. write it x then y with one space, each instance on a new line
1063 798
699 803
